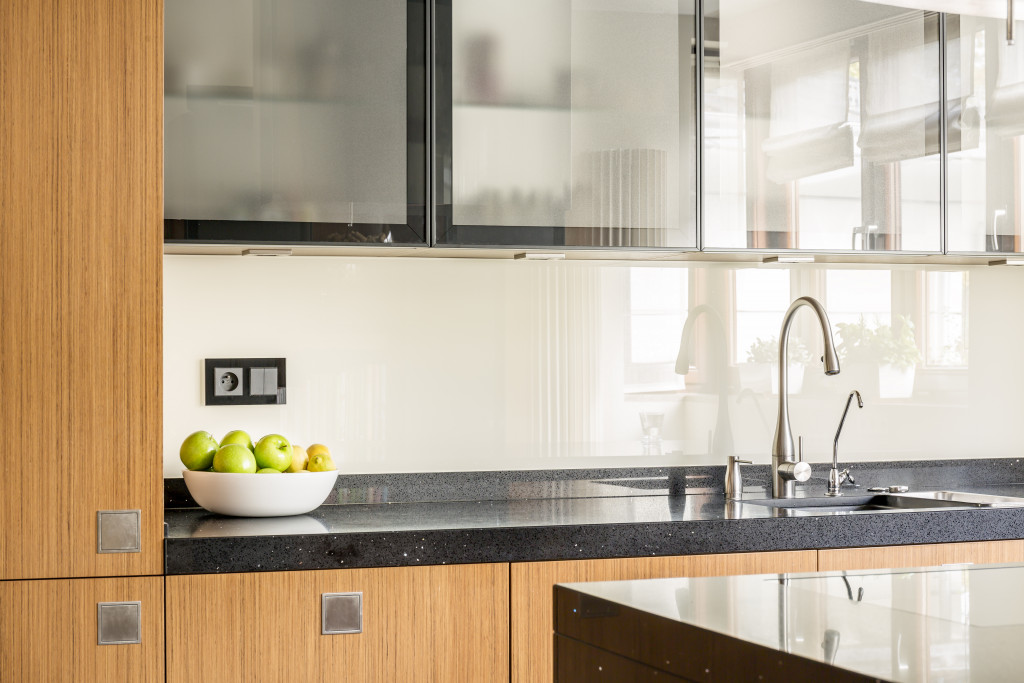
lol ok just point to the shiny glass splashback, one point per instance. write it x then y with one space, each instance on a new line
406 365
295 121
821 126
567 123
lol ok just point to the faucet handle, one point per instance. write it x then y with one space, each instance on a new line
795 471
799 449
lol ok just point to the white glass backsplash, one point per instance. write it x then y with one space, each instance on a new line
407 365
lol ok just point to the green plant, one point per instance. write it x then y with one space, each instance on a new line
767 351
881 344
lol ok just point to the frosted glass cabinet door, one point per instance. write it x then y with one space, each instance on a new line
821 126
985 86
566 123
295 121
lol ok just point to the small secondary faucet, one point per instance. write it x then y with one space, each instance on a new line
835 477
786 469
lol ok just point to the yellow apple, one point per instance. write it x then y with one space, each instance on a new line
299 459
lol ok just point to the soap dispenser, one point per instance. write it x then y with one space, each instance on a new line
734 478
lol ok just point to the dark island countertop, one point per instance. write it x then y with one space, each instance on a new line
586 520
951 623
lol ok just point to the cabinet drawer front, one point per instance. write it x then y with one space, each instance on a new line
50 630
441 624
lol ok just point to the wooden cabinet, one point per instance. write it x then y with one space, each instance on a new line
532 592
891 557
440 623
80 279
48 631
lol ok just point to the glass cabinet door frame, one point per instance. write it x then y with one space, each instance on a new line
445 232
415 231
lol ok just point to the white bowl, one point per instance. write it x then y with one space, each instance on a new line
260 495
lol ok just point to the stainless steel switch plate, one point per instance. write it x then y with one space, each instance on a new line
118 623
118 531
341 613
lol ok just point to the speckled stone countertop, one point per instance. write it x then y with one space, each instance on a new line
588 518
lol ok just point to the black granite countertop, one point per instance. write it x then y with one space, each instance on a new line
950 623
588 518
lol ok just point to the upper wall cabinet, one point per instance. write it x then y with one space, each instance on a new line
985 81
566 123
295 121
822 126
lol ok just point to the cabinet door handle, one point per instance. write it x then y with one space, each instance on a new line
118 531
341 613
118 623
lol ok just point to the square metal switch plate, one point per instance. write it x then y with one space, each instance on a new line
341 613
118 531
118 623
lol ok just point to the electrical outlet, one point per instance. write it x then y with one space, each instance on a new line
228 382
244 381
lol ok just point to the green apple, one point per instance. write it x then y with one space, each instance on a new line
275 451
267 470
234 458
197 450
239 437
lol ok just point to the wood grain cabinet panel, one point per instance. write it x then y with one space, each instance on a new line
533 583
892 557
48 631
80 283
442 624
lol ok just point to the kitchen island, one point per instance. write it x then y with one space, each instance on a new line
951 623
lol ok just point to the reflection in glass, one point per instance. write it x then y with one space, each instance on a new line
572 123
821 126
286 113
985 78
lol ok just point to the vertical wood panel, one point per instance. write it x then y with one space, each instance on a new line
441 624
892 557
80 278
532 623
48 631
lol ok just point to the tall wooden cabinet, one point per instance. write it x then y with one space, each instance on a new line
80 333
80 283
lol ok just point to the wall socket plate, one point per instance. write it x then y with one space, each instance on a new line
244 381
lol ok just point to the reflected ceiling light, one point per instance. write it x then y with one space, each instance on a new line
267 252
788 259
1007 262
538 256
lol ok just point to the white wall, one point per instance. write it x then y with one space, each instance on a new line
406 365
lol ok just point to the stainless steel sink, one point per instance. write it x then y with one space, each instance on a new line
892 502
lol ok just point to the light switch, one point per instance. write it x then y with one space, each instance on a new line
256 381
269 382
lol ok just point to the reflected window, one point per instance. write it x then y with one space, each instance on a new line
946 327
851 295
658 305
762 297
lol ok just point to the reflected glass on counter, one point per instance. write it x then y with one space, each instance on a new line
567 123
821 126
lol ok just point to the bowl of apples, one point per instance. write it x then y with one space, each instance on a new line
271 478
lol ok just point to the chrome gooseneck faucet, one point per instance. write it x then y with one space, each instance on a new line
835 477
786 469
